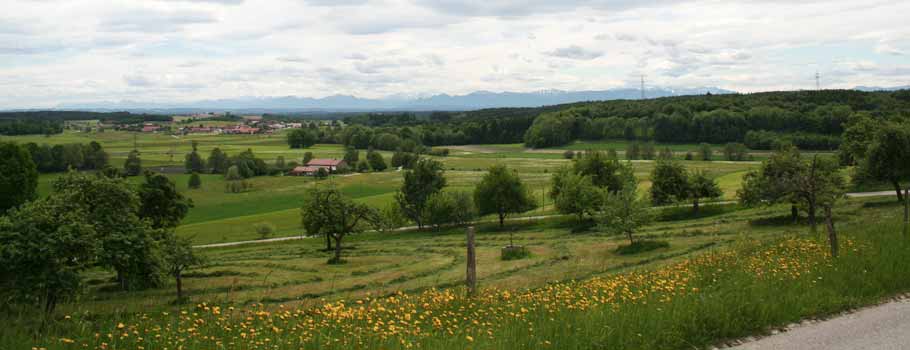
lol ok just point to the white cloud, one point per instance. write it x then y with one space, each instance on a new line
166 50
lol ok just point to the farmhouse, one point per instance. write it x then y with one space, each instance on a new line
150 128
330 165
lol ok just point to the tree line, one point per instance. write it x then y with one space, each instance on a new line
810 120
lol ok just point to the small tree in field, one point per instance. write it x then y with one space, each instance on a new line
888 159
425 180
771 184
195 181
307 157
669 182
377 163
575 194
133 165
234 182
704 152
817 184
327 212
701 186
179 256
502 192
624 211
193 161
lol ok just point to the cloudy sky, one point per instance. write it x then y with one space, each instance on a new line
66 51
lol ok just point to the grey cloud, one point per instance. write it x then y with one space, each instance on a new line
518 8
222 2
293 59
575 52
136 80
147 20
356 56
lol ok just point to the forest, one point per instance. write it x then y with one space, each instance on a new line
811 120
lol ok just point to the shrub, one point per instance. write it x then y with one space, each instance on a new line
641 247
195 181
515 252
568 154
264 229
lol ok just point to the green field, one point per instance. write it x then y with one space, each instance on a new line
218 216
390 267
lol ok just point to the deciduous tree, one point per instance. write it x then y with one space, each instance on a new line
327 212
18 176
427 178
502 192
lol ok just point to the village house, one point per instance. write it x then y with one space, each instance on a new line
150 128
330 165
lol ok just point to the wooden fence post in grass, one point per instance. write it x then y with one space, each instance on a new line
471 278
907 212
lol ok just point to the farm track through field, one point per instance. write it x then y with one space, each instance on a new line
519 219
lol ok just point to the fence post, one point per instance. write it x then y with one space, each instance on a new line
471 277
907 212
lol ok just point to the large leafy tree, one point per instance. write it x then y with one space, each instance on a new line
702 186
770 184
128 244
424 180
45 246
301 138
888 155
449 208
377 163
326 211
575 194
95 156
218 161
669 182
624 211
601 168
18 176
501 192
818 185
160 203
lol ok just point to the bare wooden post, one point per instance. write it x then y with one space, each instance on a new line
471 278
907 212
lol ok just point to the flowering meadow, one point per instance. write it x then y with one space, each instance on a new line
697 300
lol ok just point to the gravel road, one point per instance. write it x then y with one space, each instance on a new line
883 327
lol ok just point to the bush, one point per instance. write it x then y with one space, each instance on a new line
641 247
568 154
195 182
689 156
439 152
264 229
515 252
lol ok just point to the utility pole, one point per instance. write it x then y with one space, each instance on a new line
642 86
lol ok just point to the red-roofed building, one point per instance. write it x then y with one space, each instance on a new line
303 171
332 165
150 128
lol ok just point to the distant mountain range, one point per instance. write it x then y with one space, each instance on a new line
878 88
441 102
344 103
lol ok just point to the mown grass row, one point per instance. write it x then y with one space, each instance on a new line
692 302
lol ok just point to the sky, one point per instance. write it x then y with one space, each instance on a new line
55 52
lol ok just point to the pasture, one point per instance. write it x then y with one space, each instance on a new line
218 216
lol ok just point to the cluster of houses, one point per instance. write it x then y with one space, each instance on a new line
312 167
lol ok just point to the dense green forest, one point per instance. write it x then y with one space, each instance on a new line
807 119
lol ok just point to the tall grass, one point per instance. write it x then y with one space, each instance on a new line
727 293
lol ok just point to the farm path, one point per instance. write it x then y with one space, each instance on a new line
526 218
879 327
